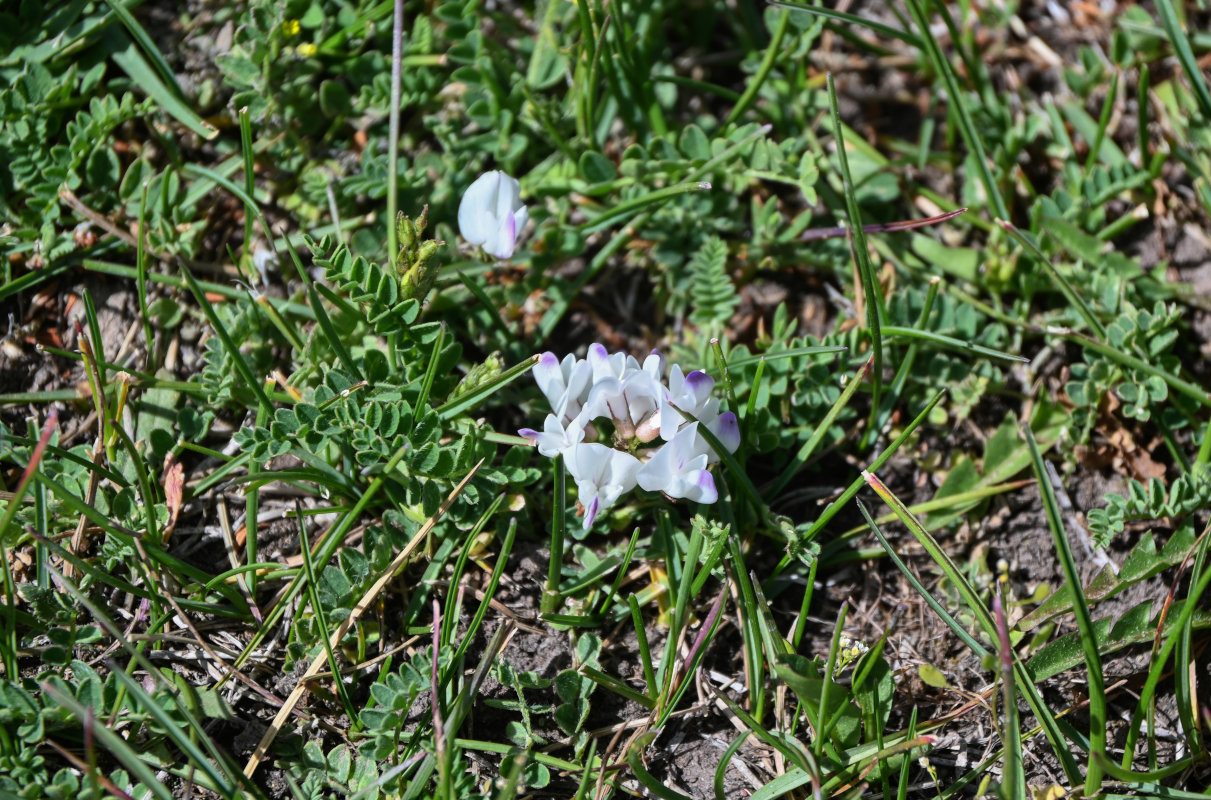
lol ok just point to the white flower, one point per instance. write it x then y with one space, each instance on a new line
263 261
690 394
679 470
627 402
555 437
491 214
602 475
565 383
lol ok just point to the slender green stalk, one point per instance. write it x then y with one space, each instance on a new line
902 787
645 650
721 365
93 347
585 56
252 506
502 560
431 371
1185 55
8 649
1142 100
1184 681
551 597
805 452
1204 449
1061 282
1013 784
749 614
763 70
1191 390
289 333
141 280
1103 122
228 291
866 272
905 369
823 725
1159 661
951 342
851 19
805 605
691 664
831 510
613 214
152 532
247 151
958 103
397 52
52 396
958 630
233 351
751 407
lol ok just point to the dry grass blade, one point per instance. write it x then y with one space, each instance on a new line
367 600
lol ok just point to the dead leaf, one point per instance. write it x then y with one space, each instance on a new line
174 491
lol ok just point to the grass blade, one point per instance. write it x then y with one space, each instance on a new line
851 19
1093 660
957 100
985 620
805 452
126 55
861 255
1185 55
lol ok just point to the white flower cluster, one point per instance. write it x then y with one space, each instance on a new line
642 408
850 650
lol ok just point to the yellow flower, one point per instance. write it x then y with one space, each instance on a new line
290 27
306 49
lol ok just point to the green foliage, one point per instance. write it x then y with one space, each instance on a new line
1150 333
219 377
387 307
573 689
714 297
31 715
393 695
335 421
1189 493
393 372
855 712
1144 561
337 771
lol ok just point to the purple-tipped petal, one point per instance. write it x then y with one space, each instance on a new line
529 433
699 385
549 377
727 430
590 513
599 358
706 491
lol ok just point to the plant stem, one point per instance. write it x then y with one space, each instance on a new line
397 47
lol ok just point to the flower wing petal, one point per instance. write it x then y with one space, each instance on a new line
477 221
